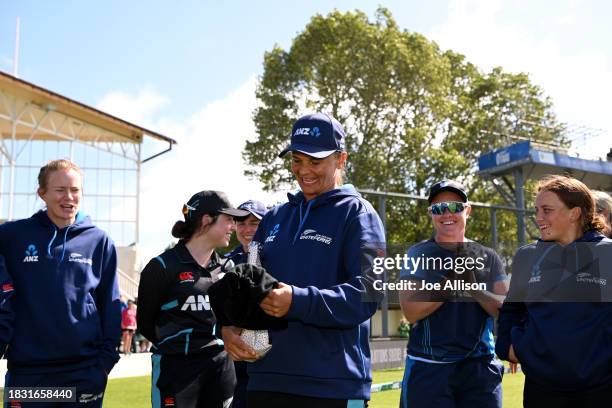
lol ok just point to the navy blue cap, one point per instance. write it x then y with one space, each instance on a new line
447 185
211 202
317 135
257 208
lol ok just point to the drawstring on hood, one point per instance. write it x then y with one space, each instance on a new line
81 221
52 239
302 220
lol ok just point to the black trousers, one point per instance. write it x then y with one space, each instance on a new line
194 381
265 399
534 396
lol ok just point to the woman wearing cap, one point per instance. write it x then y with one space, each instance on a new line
557 318
245 231
190 367
67 312
451 333
315 245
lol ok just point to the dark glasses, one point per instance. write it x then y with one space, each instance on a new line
452 206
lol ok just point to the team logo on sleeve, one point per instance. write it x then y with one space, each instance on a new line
31 254
273 233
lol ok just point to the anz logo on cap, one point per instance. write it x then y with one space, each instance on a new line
314 132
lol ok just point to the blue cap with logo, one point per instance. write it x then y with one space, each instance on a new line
256 208
317 135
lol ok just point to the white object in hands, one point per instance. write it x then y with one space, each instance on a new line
258 340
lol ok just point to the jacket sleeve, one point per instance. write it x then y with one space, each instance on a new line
151 290
108 302
513 312
354 301
6 312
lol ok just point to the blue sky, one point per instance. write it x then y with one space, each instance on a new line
188 69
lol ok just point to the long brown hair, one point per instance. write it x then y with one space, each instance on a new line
574 193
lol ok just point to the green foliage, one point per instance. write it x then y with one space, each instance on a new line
404 328
413 113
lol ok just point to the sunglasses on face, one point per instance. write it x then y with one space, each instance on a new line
453 207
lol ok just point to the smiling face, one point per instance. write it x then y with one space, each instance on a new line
316 176
556 221
62 194
245 230
219 233
449 227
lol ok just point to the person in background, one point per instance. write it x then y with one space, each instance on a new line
128 326
451 360
6 311
124 303
603 205
245 231
190 366
68 318
557 319
317 246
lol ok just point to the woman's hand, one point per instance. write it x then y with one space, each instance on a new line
513 360
278 300
235 347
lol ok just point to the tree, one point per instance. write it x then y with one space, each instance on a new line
413 114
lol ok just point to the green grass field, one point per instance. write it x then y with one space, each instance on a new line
135 392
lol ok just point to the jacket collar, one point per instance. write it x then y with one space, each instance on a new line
185 257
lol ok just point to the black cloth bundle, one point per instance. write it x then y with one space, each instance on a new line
235 298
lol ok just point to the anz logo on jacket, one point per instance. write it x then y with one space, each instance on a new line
31 254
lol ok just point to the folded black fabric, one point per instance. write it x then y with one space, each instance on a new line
235 298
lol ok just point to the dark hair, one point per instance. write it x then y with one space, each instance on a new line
574 193
54 165
186 229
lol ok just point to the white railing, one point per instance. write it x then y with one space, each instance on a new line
127 285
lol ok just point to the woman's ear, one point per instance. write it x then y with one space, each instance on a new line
575 214
342 160
206 221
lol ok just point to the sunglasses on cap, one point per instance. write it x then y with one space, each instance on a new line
453 207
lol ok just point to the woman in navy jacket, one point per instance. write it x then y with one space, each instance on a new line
320 247
557 319
66 298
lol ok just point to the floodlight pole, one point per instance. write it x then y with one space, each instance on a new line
16 55
384 306
519 183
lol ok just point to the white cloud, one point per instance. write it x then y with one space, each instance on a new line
207 157
556 52
139 109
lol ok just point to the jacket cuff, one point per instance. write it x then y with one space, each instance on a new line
300 302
